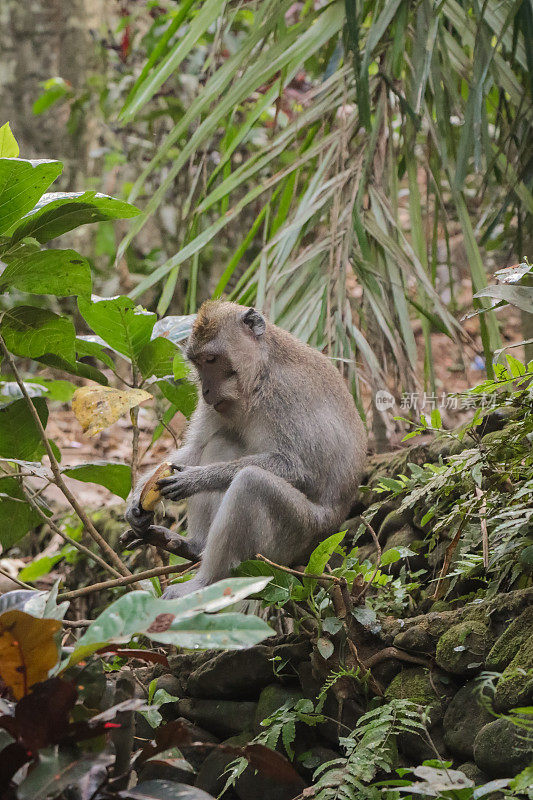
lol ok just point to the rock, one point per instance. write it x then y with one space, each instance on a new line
170 684
221 717
271 698
175 770
509 643
394 521
196 755
463 648
250 785
313 758
414 640
515 687
241 674
473 773
500 751
414 684
463 720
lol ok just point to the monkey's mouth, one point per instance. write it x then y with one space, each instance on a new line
221 406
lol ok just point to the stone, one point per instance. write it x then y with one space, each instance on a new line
221 717
462 648
394 521
170 684
308 762
509 643
473 773
175 770
414 684
196 755
500 750
251 785
515 687
414 640
241 674
464 718
271 698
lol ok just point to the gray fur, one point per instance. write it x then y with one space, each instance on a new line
276 468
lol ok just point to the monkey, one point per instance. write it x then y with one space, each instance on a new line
273 455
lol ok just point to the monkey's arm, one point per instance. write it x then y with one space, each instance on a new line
218 476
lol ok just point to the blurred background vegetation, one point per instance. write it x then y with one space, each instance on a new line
358 170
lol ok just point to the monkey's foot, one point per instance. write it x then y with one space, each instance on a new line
161 537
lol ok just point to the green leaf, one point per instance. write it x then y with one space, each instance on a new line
123 325
281 586
39 567
394 554
57 213
17 517
136 613
21 185
56 770
77 368
115 477
321 554
8 144
55 89
182 394
33 332
85 346
229 631
519 296
58 272
157 358
19 435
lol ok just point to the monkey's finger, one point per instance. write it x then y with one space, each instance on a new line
163 482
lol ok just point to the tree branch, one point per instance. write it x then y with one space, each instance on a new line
149 573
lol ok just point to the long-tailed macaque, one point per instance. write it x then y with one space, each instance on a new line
273 454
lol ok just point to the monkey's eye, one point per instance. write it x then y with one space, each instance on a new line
210 359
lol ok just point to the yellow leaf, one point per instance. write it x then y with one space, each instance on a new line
8 144
28 650
98 407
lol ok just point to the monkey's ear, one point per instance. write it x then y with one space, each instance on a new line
255 321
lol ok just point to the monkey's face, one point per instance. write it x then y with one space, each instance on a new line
225 347
219 382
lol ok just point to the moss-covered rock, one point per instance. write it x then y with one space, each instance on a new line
463 648
515 687
414 640
273 697
500 750
415 684
394 520
463 720
512 639
474 773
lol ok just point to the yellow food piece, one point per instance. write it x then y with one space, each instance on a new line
150 495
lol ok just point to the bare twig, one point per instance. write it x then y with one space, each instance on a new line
483 523
20 583
322 577
76 623
134 416
58 478
125 581
78 545
450 550
362 594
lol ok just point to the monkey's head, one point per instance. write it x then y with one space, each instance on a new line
226 347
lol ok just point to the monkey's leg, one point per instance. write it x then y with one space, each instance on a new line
260 513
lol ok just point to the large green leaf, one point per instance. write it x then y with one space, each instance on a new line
32 332
140 612
281 587
122 324
229 631
157 357
58 272
77 368
17 517
519 296
21 185
57 213
19 435
182 394
115 477
57 770
322 553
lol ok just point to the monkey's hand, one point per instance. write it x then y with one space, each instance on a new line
160 537
185 482
139 519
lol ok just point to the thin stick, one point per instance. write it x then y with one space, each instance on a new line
78 545
450 550
6 574
58 478
322 577
149 573
483 523
362 594
76 623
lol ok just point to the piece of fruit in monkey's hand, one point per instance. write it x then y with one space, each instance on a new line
151 494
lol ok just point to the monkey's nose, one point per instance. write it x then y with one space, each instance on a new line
205 392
